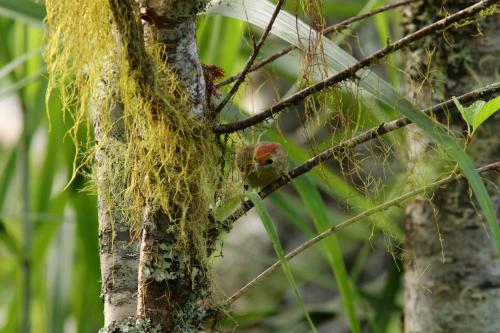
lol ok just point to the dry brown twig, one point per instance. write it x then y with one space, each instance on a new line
250 61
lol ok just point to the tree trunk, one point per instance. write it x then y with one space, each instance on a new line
452 278
174 283
119 251
152 279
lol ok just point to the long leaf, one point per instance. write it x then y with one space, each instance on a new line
273 235
10 89
486 111
23 10
6 69
87 273
296 32
311 198
7 176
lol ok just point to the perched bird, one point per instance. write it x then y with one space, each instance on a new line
261 163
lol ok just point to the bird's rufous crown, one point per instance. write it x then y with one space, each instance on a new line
263 151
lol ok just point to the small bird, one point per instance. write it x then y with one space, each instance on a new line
261 163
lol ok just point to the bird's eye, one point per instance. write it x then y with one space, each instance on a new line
269 161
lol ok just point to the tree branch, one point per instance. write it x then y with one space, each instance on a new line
350 72
250 61
335 27
396 201
365 136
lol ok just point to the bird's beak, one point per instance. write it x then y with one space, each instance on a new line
258 165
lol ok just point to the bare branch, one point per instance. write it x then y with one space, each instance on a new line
335 27
350 72
397 201
365 136
346 23
250 61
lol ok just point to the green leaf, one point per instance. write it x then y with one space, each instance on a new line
10 89
87 306
289 206
486 111
312 199
273 235
7 68
7 176
23 10
227 207
12 310
217 31
468 112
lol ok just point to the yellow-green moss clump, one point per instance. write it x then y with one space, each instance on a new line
158 156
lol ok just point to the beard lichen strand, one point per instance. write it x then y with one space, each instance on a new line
152 142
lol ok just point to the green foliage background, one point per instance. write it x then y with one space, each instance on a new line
365 288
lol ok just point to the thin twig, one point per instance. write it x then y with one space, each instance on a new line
346 23
350 72
335 27
365 136
250 61
352 220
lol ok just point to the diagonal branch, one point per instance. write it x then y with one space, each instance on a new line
250 61
335 27
396 201
365 136
350 72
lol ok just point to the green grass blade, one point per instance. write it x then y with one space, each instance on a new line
23 10
209 48
287 206
10 89
8 68
11 317
7 175
87 273
312 200
370 4
51 163
216 31
233 35
382 21
386 306
273 235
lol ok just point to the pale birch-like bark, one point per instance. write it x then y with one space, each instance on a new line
119 253
177 301
461 294
174 26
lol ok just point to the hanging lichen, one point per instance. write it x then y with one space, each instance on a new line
164 159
